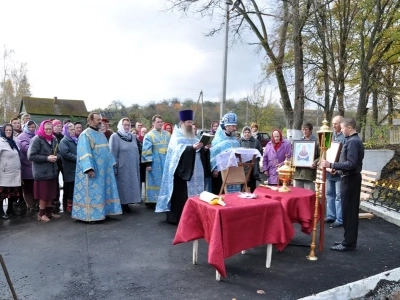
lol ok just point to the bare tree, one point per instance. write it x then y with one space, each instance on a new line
300 15
255 101
253 16
328 51
378 32
14 84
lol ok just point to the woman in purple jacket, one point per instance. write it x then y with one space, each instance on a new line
23 141
274 155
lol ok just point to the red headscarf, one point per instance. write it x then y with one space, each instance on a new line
165 127
42 133
277 145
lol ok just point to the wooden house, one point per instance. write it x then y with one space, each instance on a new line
53 108
395 118
394 131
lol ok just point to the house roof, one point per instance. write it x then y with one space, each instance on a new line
54 106
395 111
114 115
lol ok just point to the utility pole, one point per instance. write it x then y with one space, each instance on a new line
3 84
225 59
202 110
247 111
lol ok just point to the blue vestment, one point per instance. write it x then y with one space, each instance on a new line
94 197
221 143
154 151
176 147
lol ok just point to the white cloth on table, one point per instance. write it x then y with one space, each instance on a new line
228 158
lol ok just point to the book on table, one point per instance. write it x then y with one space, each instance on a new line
206 139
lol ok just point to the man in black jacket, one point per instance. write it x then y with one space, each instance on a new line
350 165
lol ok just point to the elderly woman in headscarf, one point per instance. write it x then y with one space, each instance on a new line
275 154
248 141
23 142
123 146
43 153
68 150
167 127
10 166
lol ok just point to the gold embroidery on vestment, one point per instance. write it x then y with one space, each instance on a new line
84 156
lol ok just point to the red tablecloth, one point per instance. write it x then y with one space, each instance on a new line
241 224
299 204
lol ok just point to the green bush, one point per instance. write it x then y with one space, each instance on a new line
380 136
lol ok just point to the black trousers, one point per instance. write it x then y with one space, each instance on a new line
178 200
350 192
142 172
216 183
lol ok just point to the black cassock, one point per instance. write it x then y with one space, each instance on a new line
183 174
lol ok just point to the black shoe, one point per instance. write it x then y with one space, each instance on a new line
13 213
336 225
151 205
342 248
329 220
125 208
4 217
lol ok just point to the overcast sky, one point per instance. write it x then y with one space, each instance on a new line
128 50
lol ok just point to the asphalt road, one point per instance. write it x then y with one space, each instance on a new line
132 257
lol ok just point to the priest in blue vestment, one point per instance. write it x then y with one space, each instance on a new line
95 191
154 152
186 166
224 139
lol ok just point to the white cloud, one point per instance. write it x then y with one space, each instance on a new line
101 51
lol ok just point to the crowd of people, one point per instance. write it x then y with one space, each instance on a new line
105 171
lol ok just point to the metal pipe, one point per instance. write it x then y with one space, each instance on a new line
10 285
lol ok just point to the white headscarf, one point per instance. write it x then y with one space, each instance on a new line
121 130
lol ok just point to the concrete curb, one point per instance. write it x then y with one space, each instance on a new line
360 288
382 212
355 289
